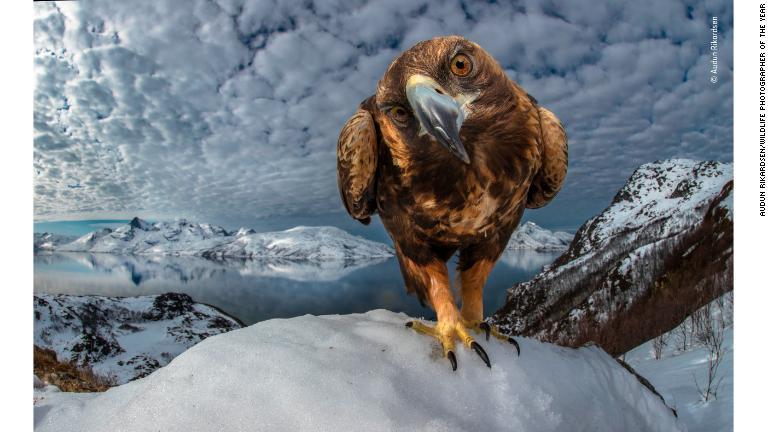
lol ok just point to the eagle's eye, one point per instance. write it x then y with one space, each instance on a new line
398 114
461 65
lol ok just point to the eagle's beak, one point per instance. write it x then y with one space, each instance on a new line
439 114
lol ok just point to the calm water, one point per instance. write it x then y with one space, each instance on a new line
258 290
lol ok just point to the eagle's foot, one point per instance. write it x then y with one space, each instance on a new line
490 330
445 334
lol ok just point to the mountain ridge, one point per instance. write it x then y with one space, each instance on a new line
183 237
664 242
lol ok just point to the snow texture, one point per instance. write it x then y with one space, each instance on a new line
124 338
672 376
531 236
211 241
364 372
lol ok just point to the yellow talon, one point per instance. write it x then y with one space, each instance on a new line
445 333
489 330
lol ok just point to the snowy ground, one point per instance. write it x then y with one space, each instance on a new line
363 372
672 375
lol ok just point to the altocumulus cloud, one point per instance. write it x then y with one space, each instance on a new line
224 110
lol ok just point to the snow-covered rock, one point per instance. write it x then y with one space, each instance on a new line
531 236
301 243
364 372
124 337
48 241
668 230
182 237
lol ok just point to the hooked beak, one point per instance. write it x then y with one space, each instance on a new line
439 114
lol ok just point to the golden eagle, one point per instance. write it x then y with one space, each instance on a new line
449 152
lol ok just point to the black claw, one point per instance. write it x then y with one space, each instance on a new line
485 326
517 347
481 352
452 357
409 324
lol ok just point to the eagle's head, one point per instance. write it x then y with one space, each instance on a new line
437 86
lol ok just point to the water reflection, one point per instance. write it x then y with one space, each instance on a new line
255 290
185 269
528 261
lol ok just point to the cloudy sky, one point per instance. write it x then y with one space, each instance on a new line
228 111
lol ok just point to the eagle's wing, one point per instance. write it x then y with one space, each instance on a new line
554 165
357 157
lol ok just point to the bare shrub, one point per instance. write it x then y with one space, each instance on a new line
68 376
659 342
681 335
710 333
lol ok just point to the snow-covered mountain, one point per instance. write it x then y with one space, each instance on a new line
364 372
301 243
198 239
531 236
141 237
667 196
124 337
664 243
48 241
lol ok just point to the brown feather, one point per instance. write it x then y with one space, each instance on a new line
554 168
357 157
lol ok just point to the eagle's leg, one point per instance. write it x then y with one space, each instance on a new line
471 282
449 324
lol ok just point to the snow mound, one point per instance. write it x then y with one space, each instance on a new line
531 236
364 372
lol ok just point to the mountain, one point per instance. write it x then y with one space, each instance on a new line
182 237
364 372
49 241
531 236
124 337
301 243
662 249
141 237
